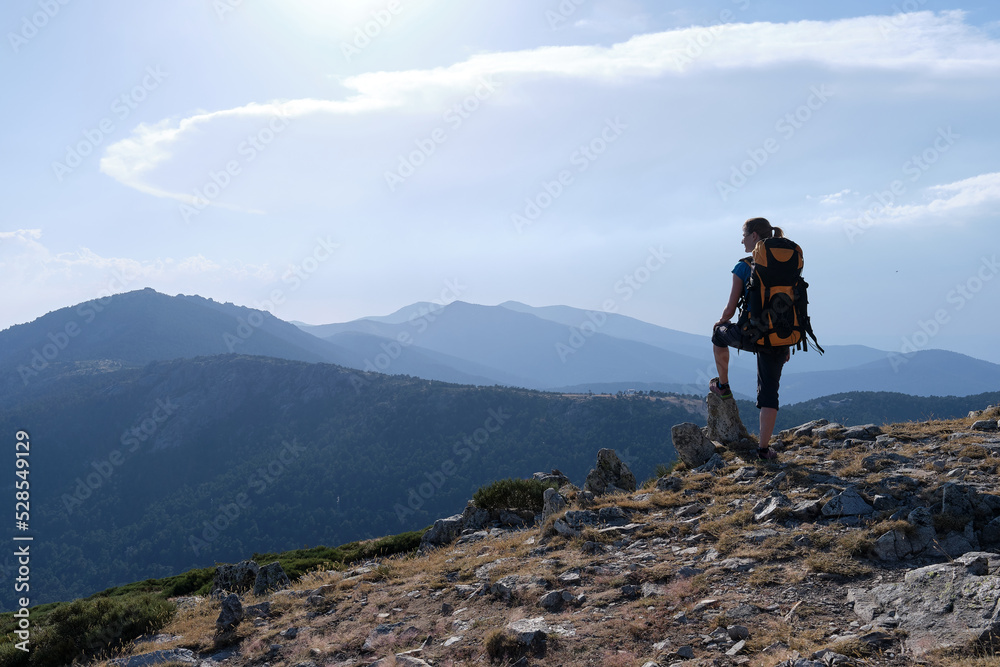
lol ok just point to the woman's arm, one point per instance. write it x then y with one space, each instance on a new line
734 300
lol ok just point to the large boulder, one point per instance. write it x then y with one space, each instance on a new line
802 430
847 503
899 544
693 447
610 475
231 614
554 503
940 606
270 578
552 477
444 531
573 522
724 423
238 578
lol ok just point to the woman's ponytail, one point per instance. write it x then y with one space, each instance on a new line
763 228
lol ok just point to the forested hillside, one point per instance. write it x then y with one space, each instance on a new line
148 472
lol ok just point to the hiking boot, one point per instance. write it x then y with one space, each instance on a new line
720 390
767 454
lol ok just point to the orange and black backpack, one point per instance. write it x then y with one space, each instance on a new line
774 310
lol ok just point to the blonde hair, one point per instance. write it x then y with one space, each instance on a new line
763 228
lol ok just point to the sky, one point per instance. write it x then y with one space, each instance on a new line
328 161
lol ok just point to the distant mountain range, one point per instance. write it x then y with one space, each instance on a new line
558 348
555 348
171 432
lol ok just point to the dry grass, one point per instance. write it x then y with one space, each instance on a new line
772 630
728 488
926 429
775 575
838 563
685 589
728 522
974 655
855 543
974 452
776 548
880 528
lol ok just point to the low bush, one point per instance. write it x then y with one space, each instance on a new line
512 494
88 628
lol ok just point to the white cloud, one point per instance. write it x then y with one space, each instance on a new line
937 43
835 198
22 235
949 202
24 259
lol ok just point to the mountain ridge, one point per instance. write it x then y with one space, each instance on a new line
548 348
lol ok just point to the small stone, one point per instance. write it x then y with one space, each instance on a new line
685 652
650 590
631 592
571 577
669 484
552 601
707 603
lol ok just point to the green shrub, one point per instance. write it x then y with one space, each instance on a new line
87 628
512 494
13 657
298 562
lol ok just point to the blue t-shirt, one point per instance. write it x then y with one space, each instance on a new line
742 271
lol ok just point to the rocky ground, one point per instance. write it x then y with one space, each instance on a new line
871 545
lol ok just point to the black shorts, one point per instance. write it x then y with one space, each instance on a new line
770 361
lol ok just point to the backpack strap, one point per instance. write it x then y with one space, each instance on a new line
742 304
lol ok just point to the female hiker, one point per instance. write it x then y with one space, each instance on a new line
725 334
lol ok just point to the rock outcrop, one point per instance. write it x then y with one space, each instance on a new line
939 606
692 445
271 577
609 475
230 616
235 578
248 577
724 424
